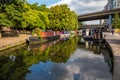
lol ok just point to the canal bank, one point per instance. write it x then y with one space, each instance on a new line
114 43
9 42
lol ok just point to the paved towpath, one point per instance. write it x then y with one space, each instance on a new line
114 42
12 41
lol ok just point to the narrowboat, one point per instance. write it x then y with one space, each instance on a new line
44 36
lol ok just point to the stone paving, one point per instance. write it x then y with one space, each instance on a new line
114 42
11 40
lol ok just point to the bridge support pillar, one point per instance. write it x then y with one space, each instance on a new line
110 21
100 22
91 32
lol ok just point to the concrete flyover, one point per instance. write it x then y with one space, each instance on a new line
98 15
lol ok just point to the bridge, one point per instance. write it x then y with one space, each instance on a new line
107 14
92 26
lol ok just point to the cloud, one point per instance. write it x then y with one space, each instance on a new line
83 6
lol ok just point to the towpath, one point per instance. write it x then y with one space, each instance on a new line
12 41
114 42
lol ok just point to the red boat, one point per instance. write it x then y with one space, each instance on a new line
45 36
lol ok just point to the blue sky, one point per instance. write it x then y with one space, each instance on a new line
47 2
78 6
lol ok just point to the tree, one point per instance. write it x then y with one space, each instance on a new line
42 8
12 13
61 18
20 14
80 24
116 21
44 17
4 21
35 17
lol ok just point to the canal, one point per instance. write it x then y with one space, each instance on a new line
65 59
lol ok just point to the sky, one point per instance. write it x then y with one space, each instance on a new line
79 6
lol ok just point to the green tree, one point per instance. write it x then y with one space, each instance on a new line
12 13
42 15
43 8
61 18
116 21
4 21
32 19
80 24
20 14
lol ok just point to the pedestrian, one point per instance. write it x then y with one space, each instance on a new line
112 31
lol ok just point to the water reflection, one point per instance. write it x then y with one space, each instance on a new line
33 54
12 58
64 59
92 46
99 48
87 44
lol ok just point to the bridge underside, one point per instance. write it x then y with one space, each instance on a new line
98 15
94 18
92 26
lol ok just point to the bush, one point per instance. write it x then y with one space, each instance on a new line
117 30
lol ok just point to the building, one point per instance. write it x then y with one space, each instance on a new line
109 5
116 4
112 4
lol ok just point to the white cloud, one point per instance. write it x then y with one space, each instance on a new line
83 6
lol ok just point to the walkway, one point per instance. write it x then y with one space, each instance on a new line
12 41
114 42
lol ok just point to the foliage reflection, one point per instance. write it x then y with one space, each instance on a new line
14 65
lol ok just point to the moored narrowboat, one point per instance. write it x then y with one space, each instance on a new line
44 36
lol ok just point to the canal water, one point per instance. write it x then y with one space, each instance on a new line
65 59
